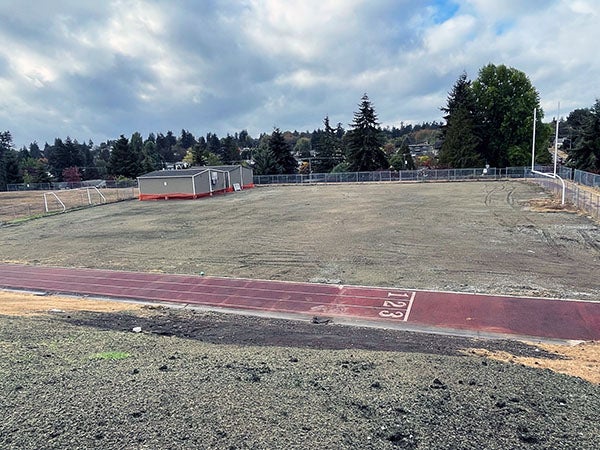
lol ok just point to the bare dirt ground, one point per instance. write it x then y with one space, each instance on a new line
474 237
77 376
73 374
580 360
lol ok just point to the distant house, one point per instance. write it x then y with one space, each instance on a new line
420 149
195 182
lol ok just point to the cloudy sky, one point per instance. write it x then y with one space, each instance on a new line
94 69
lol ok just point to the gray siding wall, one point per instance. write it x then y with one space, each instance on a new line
221 179
173 185
235 177
202 183
247 175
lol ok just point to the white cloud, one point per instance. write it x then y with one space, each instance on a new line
304 30
99 69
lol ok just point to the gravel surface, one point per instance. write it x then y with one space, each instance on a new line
204 380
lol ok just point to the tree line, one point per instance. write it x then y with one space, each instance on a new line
488 120
321 150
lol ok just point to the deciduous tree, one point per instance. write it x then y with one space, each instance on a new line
504 104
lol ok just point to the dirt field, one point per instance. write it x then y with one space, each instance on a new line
474 237
73 374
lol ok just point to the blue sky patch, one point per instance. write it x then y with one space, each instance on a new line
444 10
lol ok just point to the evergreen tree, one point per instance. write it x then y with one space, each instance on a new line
89 170
199 151
164 147
123 162
186 140
8 160
72 155
365 142
213 144
459 149
574 125
150 157
5 142
230 150
62 155
328 150
244 139
34 150
586 154
136 145
264 162
10 167
460 142
279 148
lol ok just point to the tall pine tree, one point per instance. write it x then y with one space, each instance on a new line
365 140
123 162
282 153
9 162
328 149
586 154
459 148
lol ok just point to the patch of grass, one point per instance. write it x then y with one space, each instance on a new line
113 355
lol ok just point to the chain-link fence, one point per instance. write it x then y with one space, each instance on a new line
59 186
18 204
379 176
586 178
583 197
406 175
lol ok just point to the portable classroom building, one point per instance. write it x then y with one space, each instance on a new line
182 184
240 175
195 182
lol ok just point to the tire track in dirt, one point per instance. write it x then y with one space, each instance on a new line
589 241
522 220
488 197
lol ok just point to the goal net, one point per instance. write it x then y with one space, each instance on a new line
72 198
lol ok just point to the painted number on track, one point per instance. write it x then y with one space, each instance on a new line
395 309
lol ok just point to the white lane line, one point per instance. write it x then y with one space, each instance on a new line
410 303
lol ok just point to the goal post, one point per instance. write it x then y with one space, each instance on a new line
72 198
545 174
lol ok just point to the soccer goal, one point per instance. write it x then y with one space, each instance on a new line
72 198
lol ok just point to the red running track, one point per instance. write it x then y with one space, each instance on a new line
410 309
